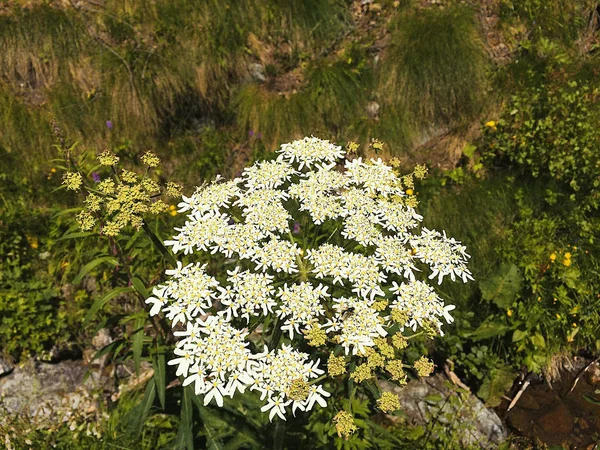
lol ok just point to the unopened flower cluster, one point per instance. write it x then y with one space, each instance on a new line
121 199
320 252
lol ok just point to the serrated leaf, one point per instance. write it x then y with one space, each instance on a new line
502 287
91 265
495 386
101 302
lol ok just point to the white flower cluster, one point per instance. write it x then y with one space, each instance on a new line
312 245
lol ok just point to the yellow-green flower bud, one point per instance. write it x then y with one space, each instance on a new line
72 180
150 159
344 424
361 373
336 365
424 366
388 402
108 158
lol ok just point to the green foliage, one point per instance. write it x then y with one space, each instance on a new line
435 67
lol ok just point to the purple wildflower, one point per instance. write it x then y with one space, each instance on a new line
109 124
95 177
251 133
296 228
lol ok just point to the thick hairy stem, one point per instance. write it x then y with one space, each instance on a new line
279 435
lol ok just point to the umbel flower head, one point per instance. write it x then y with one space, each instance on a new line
320 271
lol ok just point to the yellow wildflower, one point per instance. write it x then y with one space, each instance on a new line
394 162
491 124
108 158
553 257
336 365
509 313
396 369
409 192
85 220
352 147
361 373
424 366
388 402
344 424
420 171
150 159
298 390
173 189
72 180
377 145
315 336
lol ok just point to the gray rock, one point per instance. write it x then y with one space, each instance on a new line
39 390
373 109
436 399
5 367
257 72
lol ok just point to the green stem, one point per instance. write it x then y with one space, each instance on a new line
277 332
159 245
279 435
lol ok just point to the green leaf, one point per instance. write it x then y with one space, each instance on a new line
160 377
77 235
99 304
91 265
213 442
66 211
138 342
140 287
519 335
538 340
495 385
185 436
487 330
503 287
591 399
136 418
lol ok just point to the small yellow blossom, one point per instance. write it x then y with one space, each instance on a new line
388 402
85 220
33 242
558 316
566 262
158 207
412 202
344 424
150 185
509 313
399 341
315 336
93 202
336 365
394 162
173 189
352 147
424 366
377 145
108 158
107 186
150 159
298 390
72 180
129 177
396 370
380 305
553 257
53 170
491 124
400 317
375 360
420 171
361 373
409 192
384 347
